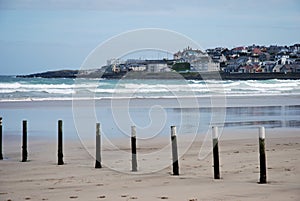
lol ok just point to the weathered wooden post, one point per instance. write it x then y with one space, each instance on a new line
133 149
1 156
24 143
60 144
174 151
262 156
98 147
215 137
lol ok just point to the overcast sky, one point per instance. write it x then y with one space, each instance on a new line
39 35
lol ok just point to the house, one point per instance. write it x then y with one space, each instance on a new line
115 68
273 49
290 68
264 56
257 68
198 60
178 55
240 50
277 68
155 66
284 59
136 67
295 48
232 66
253 68
243 60
281 61
267 66
256 51
204 63
218 57
246 69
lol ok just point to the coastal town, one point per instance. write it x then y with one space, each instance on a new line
239 63
244 59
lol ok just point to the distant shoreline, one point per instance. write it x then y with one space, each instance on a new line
166 75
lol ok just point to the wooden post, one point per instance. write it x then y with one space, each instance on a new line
98 147
262 156
1 156
174 151
24 145
215 137
60 144
133 149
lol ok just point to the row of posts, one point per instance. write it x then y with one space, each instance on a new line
175 163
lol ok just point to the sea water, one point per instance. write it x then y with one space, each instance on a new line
13 88
152 105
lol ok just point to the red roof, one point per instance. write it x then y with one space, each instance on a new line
239 48
256 51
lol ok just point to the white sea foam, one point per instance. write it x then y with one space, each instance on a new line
66 88
267 85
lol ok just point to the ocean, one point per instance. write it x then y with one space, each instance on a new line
36 89
152 105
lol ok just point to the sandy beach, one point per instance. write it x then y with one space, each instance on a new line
41 179
147 86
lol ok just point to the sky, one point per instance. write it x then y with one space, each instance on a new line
36 36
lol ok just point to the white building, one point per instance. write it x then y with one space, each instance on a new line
199 60
157 67
285 59
137 67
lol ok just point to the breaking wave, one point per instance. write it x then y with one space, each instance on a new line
12 88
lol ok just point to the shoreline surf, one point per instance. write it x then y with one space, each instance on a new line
200 101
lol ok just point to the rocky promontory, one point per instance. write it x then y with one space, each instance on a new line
162 75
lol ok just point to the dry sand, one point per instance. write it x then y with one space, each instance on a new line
41 179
